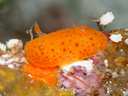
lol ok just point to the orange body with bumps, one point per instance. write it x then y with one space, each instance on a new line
64 47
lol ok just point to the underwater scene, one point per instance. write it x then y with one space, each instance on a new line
63 48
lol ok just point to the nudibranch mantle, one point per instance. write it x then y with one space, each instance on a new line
64 46
61 48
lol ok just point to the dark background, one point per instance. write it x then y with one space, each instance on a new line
17 16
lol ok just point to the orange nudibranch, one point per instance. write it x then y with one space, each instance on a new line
65 46
62 48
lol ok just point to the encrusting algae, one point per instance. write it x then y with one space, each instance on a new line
47 53
16 83
115 56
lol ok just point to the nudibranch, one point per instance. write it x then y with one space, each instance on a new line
47 53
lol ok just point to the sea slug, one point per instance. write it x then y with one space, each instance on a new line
47 53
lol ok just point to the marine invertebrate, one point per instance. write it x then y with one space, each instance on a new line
61 48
